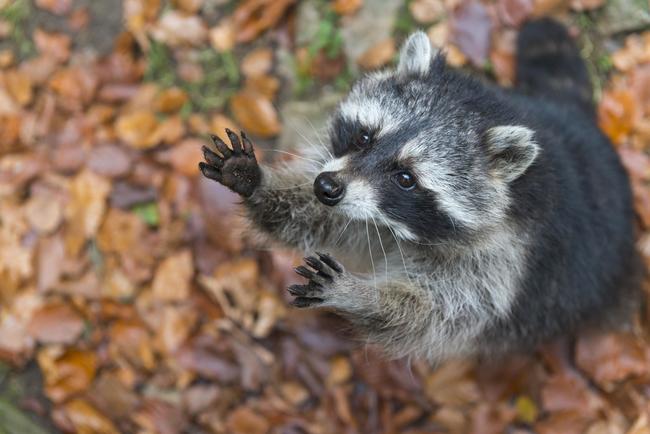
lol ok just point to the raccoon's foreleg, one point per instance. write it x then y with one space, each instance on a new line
280 203
390 313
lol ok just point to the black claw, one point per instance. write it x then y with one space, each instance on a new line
234 141
248 146
212 158
221 146
304 272
314 263
306 301
331 262
210 171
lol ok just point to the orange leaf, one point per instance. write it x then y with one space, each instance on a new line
257 62
137 129
86 419
346 7
253 17
378 55
71 373
56 324
616 114
255 113
170 100
173 277
55 45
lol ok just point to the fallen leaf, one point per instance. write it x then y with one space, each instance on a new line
255 113
616 114
257 62
265 85
427 11
470 31
185 156
178 29
55 45
378 55
586 5
56 323
173 277
222 36
66 375
50 260
611 357
452 384
514 12
44 213
111 161
20 87
244 420
57 7
129 339
253 17
188 6
170 100
346 7
86 419
137 129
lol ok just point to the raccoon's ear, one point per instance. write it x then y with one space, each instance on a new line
415 56
512 150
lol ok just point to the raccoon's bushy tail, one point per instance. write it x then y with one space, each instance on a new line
549 65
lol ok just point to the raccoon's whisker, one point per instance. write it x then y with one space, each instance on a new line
401 254
381 244
344 228
372 261
296 155
294 186
309 142
319 137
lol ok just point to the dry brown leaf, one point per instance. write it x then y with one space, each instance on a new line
54 45
378 55
173 277
44 213
346 7
56 323
253 17
67 374
129 339
86 419
255 113
546 7
170 100
19 86
244 420
178 29
86 208
452 384
265 85
176 323
188 6
139 13
185 156
50 262
612 357
514 12
57 7
257 62
566 422
111 161
586 5
616 114
222 36
427 11
340 371
219 123
471 29
137 129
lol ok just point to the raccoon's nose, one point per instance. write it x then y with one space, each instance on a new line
327 189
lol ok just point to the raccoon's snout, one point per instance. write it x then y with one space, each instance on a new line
328 189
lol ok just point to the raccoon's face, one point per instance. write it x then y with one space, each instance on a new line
418 150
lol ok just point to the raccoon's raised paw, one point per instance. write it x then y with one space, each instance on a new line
323 272
235 168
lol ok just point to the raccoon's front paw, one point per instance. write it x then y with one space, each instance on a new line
323 274
235 168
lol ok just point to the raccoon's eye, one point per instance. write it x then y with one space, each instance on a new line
405 180
363 139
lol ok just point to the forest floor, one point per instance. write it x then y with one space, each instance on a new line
130 302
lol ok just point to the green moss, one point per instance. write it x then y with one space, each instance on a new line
16 14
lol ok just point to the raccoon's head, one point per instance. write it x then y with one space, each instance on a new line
424 150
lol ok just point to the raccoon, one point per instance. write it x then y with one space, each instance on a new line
472 219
